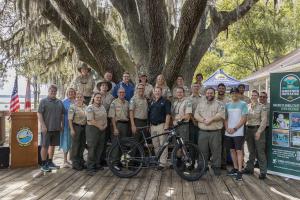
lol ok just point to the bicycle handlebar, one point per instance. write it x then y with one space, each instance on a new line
179 123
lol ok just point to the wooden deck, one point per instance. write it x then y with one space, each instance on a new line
149 184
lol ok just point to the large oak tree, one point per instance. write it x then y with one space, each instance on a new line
155 45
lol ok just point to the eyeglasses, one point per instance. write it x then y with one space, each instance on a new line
140 88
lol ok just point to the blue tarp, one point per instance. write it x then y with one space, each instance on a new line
220 76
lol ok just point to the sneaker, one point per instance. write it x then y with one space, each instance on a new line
247 171
52 165
239 176
45 168
232 172
262 176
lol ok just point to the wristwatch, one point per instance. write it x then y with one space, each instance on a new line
235 129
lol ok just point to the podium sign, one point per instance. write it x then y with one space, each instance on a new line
284 143
24 139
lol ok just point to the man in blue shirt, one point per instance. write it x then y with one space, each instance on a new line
159 117
128 87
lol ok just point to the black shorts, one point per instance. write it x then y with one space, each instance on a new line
51 138
236 143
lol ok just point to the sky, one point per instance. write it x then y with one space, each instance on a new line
22 81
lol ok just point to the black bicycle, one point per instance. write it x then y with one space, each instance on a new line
126 157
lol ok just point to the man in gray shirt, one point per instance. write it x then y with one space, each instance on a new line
50 115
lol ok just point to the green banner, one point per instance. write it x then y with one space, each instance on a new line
284 131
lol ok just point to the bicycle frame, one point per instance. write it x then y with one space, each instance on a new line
171 134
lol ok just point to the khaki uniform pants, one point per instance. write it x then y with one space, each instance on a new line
159 141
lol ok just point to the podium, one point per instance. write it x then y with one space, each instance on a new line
24 139
2 127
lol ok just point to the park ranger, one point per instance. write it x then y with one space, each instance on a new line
210 115
161 83
181 111
223 99
138 110
222 94
77 123
119 114
84 83
104 86
148 91
243 97
95 133
263 99
180 83
255 136
195 99
199 79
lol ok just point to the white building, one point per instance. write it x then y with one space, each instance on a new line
260 80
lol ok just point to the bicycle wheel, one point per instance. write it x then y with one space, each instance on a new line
125 158
188 161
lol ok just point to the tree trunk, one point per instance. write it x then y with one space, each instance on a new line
190 16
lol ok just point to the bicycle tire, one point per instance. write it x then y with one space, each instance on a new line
196 163
134 166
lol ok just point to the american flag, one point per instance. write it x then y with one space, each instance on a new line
14 101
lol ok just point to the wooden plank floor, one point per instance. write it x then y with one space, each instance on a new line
149 184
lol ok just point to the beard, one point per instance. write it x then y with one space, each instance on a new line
210 98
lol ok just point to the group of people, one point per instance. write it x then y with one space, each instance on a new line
95 113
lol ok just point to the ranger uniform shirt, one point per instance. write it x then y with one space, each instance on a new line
267 106
202 90
119 110
257 116
106 100
77 114
180 108
84 85
186 91
195 99
148 90
224 99
139 106
97 113
245 98
166 92
209 109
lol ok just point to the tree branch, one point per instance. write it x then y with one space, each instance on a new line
136 32
93 35
219 22
190 16
49 12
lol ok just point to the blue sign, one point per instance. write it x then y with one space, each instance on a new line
24 137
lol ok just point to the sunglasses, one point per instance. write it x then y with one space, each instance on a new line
262 97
